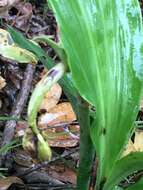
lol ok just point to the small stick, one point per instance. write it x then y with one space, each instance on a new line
19 105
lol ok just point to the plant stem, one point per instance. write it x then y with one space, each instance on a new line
87 151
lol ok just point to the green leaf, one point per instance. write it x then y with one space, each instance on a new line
137 186
65 82
58 49
103 43
22 42
123 168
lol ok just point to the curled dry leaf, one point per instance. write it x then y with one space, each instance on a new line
51 98
5 183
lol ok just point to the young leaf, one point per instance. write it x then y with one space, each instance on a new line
103 43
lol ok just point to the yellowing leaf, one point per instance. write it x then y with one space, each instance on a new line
51 98
10 50
5 38
17 54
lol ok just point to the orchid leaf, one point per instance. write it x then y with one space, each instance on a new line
103 41
57 47
137 186
123 168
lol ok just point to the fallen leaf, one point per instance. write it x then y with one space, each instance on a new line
62 137
137 145
61 113
51 98
62 173
25 14
2 82
129 148
138 141
5 183
5 5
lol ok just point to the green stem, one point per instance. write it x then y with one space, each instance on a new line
87 151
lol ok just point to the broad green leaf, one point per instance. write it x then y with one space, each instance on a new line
10 50
103 42
137 186
123 168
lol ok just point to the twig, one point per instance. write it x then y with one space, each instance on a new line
59 125
19 105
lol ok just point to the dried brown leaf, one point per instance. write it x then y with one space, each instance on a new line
2 82
138 141
5 183
51 98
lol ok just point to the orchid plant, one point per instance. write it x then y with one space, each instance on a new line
101 52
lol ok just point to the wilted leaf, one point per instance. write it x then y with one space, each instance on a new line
5 183
51 98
